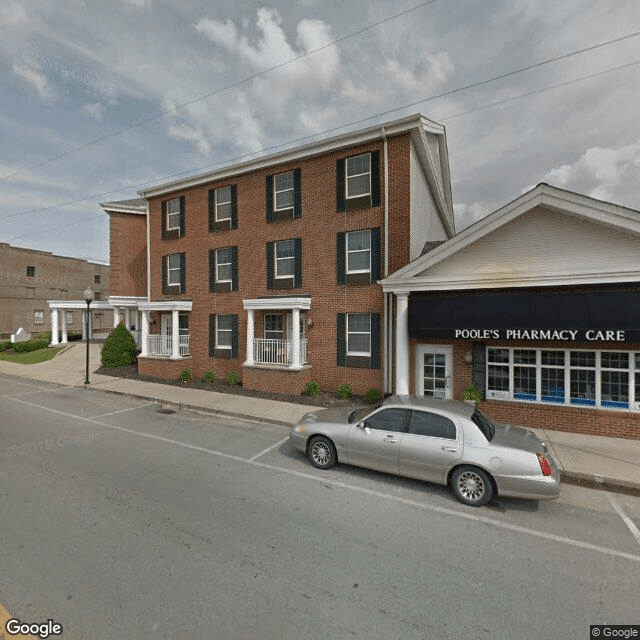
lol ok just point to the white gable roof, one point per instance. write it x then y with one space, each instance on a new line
547 236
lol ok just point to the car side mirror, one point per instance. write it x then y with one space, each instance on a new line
363 425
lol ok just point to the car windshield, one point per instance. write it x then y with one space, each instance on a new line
484 424
361 414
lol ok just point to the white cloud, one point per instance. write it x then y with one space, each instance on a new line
37 80
94 110
467 214
12 12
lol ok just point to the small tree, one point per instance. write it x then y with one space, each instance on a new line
119 348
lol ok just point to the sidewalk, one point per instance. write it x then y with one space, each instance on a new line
594 461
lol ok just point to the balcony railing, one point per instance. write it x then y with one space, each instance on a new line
161 345
276 351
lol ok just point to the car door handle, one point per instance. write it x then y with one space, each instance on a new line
450 449
389 439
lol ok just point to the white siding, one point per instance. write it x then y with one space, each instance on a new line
425 224
542 243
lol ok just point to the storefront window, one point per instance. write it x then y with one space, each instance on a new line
615 379
498 374
524 374
552 376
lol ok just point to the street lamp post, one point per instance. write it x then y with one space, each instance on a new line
88 298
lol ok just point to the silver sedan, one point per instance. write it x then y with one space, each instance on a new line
441 441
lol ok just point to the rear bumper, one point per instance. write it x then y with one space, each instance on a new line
535 488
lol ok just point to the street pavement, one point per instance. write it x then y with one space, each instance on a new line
595 461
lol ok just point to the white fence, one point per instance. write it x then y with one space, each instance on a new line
276 351
160 345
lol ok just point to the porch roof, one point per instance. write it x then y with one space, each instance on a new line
298 302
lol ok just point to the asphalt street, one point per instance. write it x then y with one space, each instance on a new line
122 518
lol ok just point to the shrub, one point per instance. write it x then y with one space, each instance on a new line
344 391
5 345
185 375
373 395
233 377
209 376
312 388
119 348
471 393
30 345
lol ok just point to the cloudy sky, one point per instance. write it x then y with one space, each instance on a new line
100 99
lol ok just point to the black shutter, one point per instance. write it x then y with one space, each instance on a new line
297 280
212 209
269 197
375 254
341 339
270 250
212 270
234 268
212 335
165 285
163 219
341 257
183 273
479 366
375 340
234 336
375 178
297 194
182 226
340 185
234 206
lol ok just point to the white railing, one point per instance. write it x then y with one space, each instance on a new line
276 351
160 345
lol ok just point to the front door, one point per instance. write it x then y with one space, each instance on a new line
433 371
166 322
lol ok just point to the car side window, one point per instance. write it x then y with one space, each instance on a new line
388 420
424 423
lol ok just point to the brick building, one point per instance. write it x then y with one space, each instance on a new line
270 268
29 279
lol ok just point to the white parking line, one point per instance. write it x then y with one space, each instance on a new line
273 446
625 518
349 487
113 413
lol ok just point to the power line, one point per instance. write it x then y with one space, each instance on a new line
214 92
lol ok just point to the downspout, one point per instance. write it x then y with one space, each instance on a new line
386 344
148 255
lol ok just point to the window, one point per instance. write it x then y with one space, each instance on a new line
173 273
224 330
223 270
393 419
283 191
222 204
38 317
223 336
284 265
358 175
359 334
564 376
433 425
31 272
223 208
31 292
358 251
69 317
358 256
224 263
274 326
96 279
172 212
64 294
173 218
173 270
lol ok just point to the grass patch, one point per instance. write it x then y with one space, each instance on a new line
32 357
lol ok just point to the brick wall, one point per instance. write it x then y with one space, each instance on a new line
128 234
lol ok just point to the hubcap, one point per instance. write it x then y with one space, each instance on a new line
320 453
471 485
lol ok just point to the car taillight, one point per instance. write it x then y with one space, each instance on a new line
545 466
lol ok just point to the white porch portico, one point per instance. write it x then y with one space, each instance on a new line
59 309
283 344
173 340
127 307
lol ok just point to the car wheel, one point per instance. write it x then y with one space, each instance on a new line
471 486
322 453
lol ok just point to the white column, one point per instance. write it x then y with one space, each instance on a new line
116 316
295 335
250 318
64 326
144 336
175 336
54 326
402 343
127 318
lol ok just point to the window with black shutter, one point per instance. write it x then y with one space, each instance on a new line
284 195
358 256
174 274
223 270
358 340
223 336
223 208
284 264
358 181
173 218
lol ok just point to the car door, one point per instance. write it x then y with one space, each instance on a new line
376 445
431 445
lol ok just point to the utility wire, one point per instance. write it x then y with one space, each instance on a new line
214 92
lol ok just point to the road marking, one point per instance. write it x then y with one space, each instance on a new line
113 413
273 446
343 485
625 518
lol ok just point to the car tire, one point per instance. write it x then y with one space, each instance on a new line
471 486
322 452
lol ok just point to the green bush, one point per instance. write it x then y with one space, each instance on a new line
344 391
471 393
30 345
233 377
312 388
185 375
209 376
119 348
373 395
5 345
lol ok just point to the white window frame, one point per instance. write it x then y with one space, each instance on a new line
219 203
69 317
169 213
219 264
277 191
279 331
351 176
364 354
224 330
38 317
172 270
276 259
632 371
346 244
